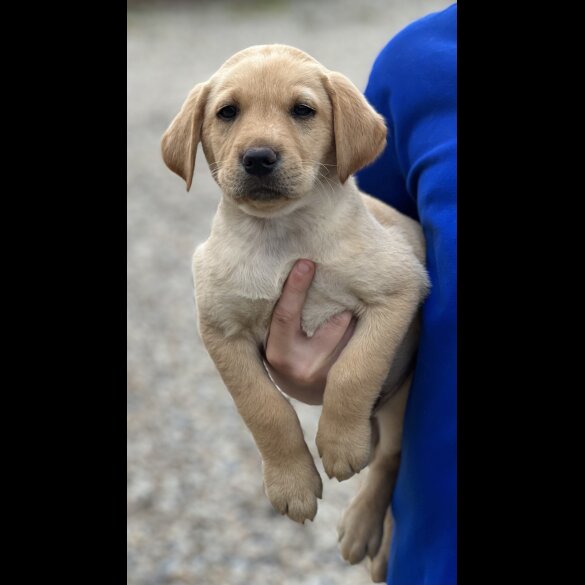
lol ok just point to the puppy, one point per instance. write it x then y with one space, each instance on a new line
282 136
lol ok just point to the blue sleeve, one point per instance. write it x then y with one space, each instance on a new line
413 84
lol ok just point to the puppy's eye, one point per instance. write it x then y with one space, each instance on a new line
227 113
302 111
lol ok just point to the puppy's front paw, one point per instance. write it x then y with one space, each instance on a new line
344 448
360 530
293 488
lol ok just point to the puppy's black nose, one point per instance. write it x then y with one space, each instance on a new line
259 161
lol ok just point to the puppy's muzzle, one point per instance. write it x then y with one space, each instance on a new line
260 161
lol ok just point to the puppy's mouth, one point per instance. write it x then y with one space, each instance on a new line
263 194
264 189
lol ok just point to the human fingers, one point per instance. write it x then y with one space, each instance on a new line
286 318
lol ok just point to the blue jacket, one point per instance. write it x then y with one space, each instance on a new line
413 84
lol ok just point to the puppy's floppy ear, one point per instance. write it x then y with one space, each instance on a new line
179 142
360 132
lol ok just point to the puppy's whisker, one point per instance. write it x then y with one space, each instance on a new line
220 165
316 162
321 177
215 165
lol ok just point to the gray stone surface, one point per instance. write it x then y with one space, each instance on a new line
197 513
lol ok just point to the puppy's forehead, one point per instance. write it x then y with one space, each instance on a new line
269 74
259 52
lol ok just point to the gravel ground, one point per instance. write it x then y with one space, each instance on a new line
197 513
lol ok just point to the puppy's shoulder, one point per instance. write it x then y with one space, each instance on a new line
198 258
203 268
392 218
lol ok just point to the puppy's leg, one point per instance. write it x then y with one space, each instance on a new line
354 382
362 526
291 480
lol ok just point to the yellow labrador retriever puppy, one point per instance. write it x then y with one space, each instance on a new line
283 135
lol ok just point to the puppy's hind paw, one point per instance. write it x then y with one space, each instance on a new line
360 530
379 564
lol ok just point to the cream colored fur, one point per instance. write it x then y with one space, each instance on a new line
370 260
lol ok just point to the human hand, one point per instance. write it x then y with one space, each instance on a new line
298 364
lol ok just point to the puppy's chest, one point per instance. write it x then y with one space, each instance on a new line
243 295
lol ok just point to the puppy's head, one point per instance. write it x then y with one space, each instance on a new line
273 124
